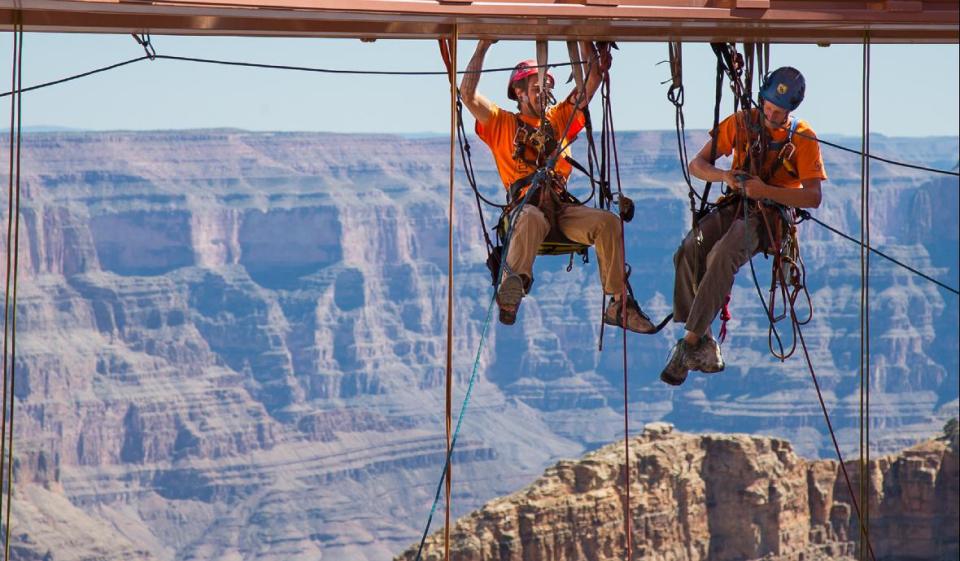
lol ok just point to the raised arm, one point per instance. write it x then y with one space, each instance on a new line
479 106
598 61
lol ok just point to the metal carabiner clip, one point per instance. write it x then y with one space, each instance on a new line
144 41
787 151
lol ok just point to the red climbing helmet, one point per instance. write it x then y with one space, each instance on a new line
522 70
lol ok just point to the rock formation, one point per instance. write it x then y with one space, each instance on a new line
718 497
231 344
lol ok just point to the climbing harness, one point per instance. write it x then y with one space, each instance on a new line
535 149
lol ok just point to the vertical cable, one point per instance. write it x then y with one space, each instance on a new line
10 301
6 293
865 304
615 161
449 396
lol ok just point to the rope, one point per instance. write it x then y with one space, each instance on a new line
813 375
864 152
807 215
537 180
266 66
865 304
877 158
833 436
675 94
409 73
608 115
449 397
10 299
18 89
348 71
456 432
796 325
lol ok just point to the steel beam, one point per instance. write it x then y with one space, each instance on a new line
778 21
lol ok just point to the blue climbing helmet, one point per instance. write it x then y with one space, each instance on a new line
784 87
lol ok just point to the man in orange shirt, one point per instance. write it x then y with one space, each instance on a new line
521 146
789 175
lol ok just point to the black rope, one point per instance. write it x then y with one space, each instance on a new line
863 153
833 437
798 332
410 73
807 215
675 94
877 158
704 198
348 71
467 159
10 299
267 66
74 77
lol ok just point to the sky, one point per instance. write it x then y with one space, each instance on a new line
914 88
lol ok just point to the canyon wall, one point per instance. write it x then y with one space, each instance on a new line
231 345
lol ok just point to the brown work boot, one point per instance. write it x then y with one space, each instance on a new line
705 357
675 372
509 296
637 321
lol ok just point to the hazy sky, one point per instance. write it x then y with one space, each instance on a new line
915 87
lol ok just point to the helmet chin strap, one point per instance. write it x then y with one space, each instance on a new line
526 105
546 100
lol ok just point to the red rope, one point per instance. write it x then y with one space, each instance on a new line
725 316
826 416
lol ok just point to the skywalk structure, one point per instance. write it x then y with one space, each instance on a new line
787 21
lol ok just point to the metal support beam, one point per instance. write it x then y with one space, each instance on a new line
778 21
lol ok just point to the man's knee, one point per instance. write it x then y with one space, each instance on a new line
610 222
532 220
687 250
731 252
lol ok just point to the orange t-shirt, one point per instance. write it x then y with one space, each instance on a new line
806 162
501 129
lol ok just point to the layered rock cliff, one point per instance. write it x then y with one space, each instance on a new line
231 344
718 497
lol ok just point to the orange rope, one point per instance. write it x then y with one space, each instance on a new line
451 58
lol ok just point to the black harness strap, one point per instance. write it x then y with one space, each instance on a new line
704 205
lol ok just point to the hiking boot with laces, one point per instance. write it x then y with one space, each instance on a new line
637 321
675 372
705 357
509 296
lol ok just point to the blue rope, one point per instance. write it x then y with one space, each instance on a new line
456 432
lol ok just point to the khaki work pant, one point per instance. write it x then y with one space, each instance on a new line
580 224
706 263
